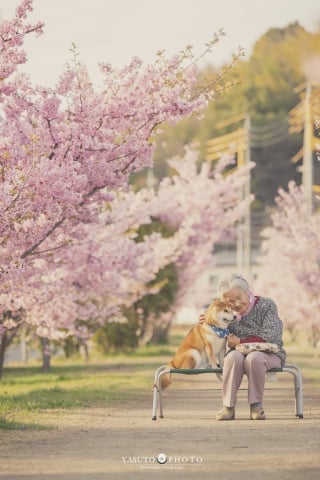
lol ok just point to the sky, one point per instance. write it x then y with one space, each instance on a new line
113 31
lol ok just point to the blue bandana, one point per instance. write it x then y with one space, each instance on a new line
221 332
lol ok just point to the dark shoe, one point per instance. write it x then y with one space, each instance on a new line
227 413
257 413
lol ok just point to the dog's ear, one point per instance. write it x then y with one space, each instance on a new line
220 304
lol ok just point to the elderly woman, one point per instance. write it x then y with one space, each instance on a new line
257 321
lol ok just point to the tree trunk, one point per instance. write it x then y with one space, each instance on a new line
6 339
23 346
156 329
85 346
46 354
3 346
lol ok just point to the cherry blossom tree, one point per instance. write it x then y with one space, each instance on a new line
201 207
68 217
66 149
206 206
291 263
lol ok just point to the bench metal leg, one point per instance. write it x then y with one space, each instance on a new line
157 391
298 387
155 402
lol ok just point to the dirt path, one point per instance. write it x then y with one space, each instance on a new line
97 444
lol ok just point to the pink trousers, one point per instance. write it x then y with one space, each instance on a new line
254 366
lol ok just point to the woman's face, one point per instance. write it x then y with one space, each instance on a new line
238 300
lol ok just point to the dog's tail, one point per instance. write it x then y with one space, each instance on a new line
166 379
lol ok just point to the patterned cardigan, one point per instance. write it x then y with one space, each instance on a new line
262 321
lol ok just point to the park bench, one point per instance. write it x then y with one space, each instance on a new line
294 370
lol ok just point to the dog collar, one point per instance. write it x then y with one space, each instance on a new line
221 332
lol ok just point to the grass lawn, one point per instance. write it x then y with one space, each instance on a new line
26 392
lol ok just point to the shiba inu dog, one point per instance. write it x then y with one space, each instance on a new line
205 343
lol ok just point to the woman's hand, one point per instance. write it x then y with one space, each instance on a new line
202 317
233 340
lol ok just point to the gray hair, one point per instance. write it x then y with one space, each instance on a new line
230 282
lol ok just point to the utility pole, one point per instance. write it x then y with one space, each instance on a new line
244 227
307 161
302 119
